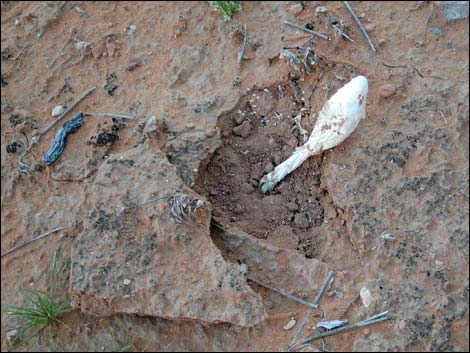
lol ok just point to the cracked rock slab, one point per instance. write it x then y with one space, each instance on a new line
142 262
281 268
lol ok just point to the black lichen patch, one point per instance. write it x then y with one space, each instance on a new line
5 82
126 162
117 125
111 85
15 120
106 139
421 329
204 106
104 221
39 167
12 147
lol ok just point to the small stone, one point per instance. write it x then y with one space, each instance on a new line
6 106
369 27
268 167
278 158
57 110
290 325
190 125
402 324
239 118
321 9
366 297
111 48
132 64
242 130
454 10
151 125
292 206
97 52
210 132
22 114
296 8
366 332
11 336
301 221
437 31
247 188
22 127
132 29
387 90
127 282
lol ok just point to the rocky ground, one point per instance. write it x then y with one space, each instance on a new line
178 281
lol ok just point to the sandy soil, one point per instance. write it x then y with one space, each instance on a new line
404 171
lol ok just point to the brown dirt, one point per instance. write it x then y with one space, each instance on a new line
403 171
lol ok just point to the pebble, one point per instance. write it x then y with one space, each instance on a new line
402 324
97 52
23 114
132 64
366 332
127 282
292 206
454 10
11 336
387 90
268 167
151 125
247 188
242 130
239 118
111 48
210 132
301 221
22 127
296 8
437 31
278 158
290 325
366 297
132 30
321 9
369 27
190 125
57 110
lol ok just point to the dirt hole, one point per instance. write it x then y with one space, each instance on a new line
257 135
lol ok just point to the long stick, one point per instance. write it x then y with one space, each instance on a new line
343 329
315 33
281 292
56 121
30 241
310 312
242 52
111 115
364 32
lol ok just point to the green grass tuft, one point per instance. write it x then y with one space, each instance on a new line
226 8
43 309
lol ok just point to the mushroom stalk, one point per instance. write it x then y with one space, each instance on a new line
338 118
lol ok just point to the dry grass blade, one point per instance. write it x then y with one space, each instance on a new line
183 206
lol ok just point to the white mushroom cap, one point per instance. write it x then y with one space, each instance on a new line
338 118
340 115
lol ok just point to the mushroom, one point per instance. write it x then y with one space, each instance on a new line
337 119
